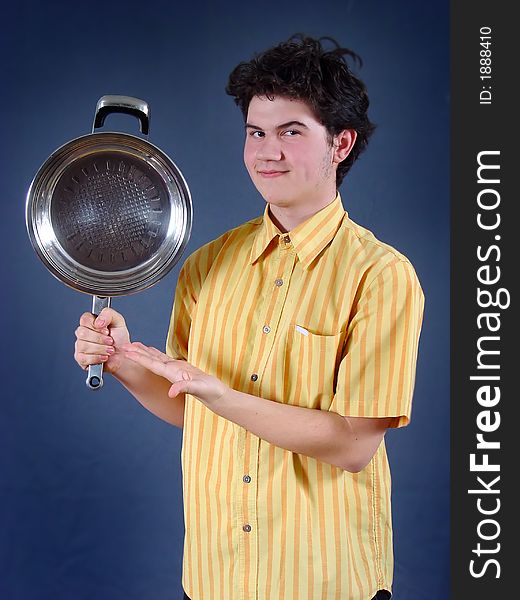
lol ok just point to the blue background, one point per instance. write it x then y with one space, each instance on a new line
90 483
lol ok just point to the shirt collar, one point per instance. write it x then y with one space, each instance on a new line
308 238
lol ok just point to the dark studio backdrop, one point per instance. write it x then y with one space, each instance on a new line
90 483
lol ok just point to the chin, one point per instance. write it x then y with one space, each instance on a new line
277 200
276 197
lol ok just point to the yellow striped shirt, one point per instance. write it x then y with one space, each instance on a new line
325 317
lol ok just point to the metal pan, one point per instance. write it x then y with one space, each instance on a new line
109 214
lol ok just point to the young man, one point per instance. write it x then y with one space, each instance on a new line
292 348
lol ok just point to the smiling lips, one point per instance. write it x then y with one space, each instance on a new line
271 174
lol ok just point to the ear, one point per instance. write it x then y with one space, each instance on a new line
343 144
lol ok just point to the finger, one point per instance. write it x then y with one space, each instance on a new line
92 335
135 347
158 354
183 385
86 347
87 320
147 351
108 317
152 364
84 360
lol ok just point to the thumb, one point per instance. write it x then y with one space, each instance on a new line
108 317
183 385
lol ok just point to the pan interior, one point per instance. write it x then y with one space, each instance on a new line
110 211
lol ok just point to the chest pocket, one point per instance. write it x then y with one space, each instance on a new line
311 363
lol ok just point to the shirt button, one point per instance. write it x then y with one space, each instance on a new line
246 479
278 282
247 528
266 329
287 239
254 377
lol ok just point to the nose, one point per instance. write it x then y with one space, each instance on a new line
269 149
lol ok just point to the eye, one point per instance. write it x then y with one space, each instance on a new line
291 132
256 134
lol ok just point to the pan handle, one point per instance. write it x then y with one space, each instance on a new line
95 372
107 105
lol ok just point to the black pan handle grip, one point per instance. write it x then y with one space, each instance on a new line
95 372
107 105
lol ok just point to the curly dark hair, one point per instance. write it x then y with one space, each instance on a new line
301 68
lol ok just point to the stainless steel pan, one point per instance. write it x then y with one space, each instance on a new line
109 214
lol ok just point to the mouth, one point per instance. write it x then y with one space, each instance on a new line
271 174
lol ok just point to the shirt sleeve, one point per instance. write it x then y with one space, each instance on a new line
376 374
190 282
180 319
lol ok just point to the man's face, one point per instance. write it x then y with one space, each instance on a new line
287 153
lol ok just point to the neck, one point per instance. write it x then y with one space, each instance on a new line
286 218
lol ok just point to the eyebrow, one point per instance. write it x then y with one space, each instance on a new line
282 126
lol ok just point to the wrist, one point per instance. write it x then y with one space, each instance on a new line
227 403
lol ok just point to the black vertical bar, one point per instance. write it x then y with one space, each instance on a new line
483 293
